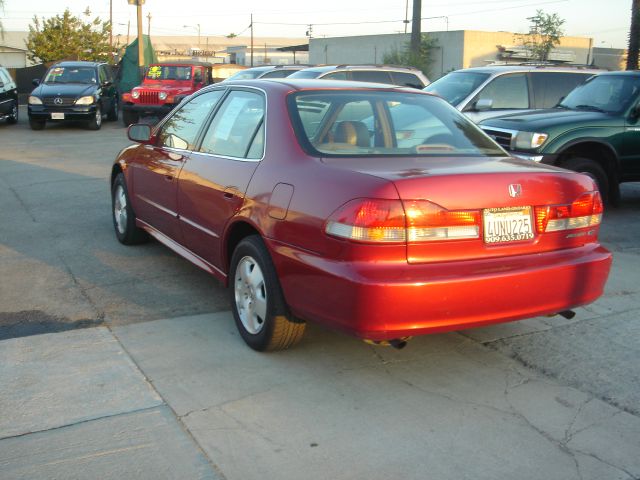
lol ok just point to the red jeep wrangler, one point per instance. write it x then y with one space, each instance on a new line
163 87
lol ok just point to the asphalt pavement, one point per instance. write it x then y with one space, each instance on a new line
124 362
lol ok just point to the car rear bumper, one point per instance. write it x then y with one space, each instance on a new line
42 113
383 302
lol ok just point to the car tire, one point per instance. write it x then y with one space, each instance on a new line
593 169
124 219
96 121
37 124
13 117
112 116
260 312
129 117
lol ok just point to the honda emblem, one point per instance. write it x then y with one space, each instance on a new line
515 190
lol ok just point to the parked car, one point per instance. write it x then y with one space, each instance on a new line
74 91
279 189
491 91
387 74
594 130
8 97
266 71
163 87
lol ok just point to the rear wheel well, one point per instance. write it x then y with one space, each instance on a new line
238 231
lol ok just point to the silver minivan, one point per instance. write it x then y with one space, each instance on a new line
491 91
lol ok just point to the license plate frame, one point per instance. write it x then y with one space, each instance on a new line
57 115
506 225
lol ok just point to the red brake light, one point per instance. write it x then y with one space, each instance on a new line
586 211
373 220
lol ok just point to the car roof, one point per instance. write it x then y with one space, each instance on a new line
330 68
625 73
78 63
179 63
494 69
318 84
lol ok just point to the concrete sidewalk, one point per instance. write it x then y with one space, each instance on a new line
184 398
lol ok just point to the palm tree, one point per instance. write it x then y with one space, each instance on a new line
634 36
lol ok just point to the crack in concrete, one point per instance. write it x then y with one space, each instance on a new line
616 467
80 422
21 201
182 425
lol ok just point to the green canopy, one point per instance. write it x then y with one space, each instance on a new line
129 74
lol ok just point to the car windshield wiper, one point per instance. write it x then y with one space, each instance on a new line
564 107
589 107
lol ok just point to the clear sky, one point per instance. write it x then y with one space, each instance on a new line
606 21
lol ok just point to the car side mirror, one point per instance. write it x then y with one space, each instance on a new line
107 84
36 82
1 84
139 132
483 105
635 112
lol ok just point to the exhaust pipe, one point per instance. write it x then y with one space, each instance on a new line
397 343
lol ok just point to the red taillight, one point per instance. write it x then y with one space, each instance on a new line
429 221
372 220
586 211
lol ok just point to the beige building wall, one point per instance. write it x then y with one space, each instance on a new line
481 48
365 49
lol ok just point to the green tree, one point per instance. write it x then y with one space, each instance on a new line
545 31
421 60
634 36
68 37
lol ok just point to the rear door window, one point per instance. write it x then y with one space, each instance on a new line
550 87
237 128
374 76
406 79
507 92
336 76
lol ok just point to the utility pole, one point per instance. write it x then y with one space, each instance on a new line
406 15
251 39
415 27
138 4
111 30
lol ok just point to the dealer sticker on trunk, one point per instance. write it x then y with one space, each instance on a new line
507 224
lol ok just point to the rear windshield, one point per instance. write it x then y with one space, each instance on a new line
456 86
71 75
381 123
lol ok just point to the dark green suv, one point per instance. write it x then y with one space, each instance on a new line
594 130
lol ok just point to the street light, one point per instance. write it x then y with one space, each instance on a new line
194 26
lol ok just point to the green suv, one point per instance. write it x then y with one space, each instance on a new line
594 130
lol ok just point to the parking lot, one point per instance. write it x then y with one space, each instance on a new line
124 362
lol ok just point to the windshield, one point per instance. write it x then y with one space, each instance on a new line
456 86
168 72
71 75
383 123
604 93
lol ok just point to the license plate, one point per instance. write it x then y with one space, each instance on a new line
57 116
508 224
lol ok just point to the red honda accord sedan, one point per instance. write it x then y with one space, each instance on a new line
375 210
